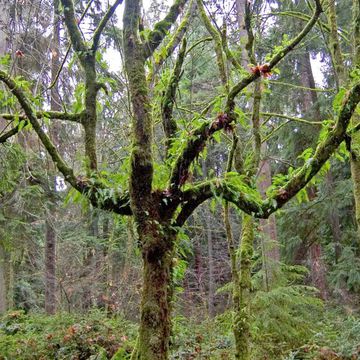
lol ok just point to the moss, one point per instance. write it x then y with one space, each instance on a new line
242 317
162 27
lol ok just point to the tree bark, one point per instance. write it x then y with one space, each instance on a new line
50 267
155 323
3 292
211 294
242 316
355 138
50 233
271 248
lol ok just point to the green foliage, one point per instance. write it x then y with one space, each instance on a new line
347 270
285 319
12 159
212 339
64 336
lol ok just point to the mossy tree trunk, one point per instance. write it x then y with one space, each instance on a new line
242 316
153 225
3 302
155 324
355 138
342 79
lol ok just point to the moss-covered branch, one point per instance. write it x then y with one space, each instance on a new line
197 194
161 28
323 152
31 116
168 100
118 203
72 26
162 54
7 135
255 119
194 147
55 115
217 42
305 17
88 62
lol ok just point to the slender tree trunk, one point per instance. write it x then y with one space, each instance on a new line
341 78
50 233
4 21
211 295
3 292
355 138
318 270
268 229
334 220
50 268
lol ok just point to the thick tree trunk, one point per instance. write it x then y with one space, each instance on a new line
155 323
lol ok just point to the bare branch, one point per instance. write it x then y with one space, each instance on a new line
97 34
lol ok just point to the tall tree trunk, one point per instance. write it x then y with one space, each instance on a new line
3 292
242 317
271 248
50 233
211 294
355 138
318 270
4 22
50 267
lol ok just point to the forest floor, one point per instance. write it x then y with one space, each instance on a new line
95 335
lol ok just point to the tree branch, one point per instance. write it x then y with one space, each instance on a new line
197 194
193 148
323 152
31 116
175 40
162 27
168 100
242 84
72 26
56 115
10 133
118 203
97 34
